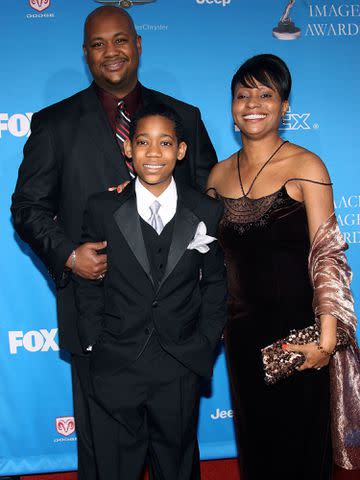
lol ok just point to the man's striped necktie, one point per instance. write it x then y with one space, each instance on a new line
122 127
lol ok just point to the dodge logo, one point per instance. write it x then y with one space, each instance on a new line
65 425
39 5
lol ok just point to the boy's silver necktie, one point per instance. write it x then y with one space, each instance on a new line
155 219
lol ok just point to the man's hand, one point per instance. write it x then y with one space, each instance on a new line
120 187
88 263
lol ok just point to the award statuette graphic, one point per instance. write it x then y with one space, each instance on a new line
286 29
124 3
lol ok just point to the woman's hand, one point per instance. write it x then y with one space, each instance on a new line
315 357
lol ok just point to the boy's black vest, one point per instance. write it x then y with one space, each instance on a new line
157 247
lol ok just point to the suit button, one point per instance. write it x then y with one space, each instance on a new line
154 304
147 331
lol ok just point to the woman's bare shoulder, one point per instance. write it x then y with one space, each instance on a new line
306 164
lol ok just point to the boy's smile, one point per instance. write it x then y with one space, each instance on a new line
155 150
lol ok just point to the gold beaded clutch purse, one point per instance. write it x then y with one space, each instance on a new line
280 363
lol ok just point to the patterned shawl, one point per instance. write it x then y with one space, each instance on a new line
330 276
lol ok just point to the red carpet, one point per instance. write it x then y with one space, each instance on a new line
211 470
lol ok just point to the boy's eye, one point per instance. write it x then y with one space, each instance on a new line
266 95
141 142
166 143
241 96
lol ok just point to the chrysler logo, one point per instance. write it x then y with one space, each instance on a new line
124 3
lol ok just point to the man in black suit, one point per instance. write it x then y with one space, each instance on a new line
152 324
72 153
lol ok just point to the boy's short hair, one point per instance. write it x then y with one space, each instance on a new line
161 110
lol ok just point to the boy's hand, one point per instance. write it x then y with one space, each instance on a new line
88 263
119 188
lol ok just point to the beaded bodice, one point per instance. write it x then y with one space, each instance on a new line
245 213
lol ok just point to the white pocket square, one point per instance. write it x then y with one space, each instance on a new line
201 240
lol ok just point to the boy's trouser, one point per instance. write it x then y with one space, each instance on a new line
147 413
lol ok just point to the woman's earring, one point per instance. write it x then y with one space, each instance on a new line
283 119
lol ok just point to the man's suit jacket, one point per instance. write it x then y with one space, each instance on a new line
187 313
71 154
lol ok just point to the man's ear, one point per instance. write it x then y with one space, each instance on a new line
181 151
139 45
85 52
128 148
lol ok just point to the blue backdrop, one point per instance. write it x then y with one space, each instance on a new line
191 50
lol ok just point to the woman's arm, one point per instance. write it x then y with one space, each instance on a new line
318 200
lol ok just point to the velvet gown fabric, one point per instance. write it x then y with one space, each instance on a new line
283 430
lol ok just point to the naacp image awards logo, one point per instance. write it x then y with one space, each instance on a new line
286 28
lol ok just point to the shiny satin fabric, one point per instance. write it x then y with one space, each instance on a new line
331 276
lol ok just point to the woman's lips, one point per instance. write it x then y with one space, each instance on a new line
255 116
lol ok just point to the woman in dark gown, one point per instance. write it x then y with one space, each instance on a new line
275 195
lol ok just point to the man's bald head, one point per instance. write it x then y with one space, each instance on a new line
105 11
112 49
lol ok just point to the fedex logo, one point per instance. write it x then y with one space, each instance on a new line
33 341
296 121
17 124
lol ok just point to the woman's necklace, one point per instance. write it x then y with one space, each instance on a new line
258 173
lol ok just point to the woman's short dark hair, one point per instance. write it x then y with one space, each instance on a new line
267 69
162 110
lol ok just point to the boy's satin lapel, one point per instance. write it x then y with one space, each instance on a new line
127 219
185 226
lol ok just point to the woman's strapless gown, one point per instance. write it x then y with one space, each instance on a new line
283 429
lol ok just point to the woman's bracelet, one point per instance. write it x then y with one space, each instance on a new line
325 352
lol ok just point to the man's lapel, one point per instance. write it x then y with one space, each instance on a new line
95 123
127 219
185 226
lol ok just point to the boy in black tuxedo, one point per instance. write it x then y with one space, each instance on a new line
152 324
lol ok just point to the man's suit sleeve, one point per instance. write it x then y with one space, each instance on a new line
205 156
213 288
36 199
89 294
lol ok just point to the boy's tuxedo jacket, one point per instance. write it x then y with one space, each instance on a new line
119 314
71 154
